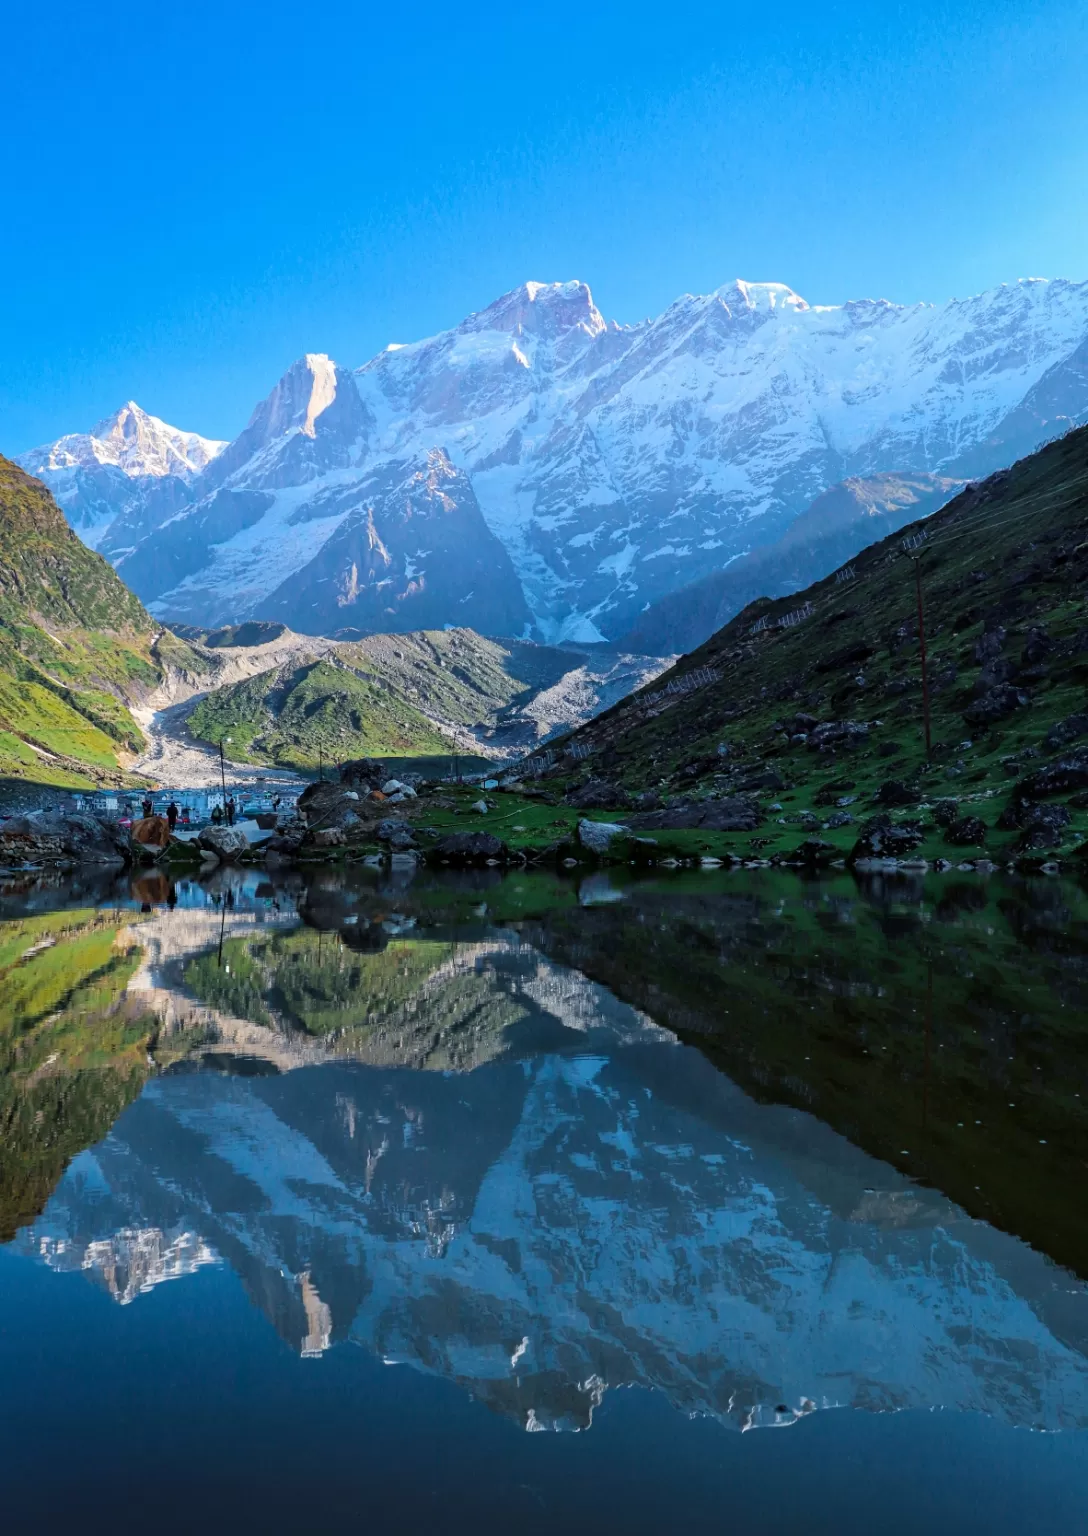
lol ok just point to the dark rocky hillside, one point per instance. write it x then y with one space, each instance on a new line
810 708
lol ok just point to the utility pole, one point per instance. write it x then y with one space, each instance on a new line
222 774
916 562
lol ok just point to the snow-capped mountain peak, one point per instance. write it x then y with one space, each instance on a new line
760 298
132 441
306 389
548 310
308 424
130 462
614 464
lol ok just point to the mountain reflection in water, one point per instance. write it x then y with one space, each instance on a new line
404 1124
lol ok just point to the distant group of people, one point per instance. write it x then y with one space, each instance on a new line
225 812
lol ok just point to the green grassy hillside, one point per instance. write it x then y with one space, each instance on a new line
815 699
76 647
386 696
294 716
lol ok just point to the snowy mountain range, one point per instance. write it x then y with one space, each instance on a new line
589 1206
540 470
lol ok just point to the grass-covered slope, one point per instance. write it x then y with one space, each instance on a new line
76 647
766 705
296 715
387 696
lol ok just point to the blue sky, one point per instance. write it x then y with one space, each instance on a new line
196 194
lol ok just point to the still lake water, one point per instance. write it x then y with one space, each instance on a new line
723 1201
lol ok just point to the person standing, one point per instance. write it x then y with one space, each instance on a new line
230 810
172 815
148 806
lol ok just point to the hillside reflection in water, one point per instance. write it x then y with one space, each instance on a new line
465 1126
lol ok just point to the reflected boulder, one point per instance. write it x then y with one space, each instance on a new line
470 848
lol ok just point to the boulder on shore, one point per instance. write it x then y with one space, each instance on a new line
362 773
597 836
63 837
329 805
398 834
226 843
965 831
881 838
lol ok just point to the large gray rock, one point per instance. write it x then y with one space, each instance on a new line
598 836
362 773
996 704
329 805
881 838
398 835
63 837
836 733
1069 772
225 842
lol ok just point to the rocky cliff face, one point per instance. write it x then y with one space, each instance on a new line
613 465
413 553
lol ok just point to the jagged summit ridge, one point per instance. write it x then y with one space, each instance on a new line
133 441
124 459
616 464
